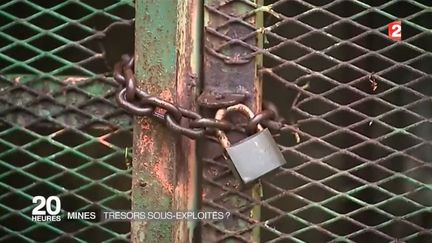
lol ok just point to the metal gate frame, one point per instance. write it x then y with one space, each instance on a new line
184 48
223 27
166 169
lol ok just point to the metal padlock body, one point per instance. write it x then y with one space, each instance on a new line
255 156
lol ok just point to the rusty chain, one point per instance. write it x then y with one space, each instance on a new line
140 103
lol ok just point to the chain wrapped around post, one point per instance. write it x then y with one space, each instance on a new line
139 103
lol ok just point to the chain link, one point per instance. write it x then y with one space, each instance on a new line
140 103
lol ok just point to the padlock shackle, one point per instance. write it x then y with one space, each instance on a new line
244 110
220 115
221 135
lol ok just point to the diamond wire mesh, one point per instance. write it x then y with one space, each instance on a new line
361 169
61 132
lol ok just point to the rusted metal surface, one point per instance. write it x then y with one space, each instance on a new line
225 71
216 100
222 77
186 195
154 146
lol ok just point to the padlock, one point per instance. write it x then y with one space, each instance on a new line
254 156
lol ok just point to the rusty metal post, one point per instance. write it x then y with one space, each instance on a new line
220 190
189 58
164 168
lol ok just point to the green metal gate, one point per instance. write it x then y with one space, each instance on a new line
359 104
358 107
61 132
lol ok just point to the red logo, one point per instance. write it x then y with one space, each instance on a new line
395 30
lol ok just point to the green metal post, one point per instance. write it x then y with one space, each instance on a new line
164 167
154 145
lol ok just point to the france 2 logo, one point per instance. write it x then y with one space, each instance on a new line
395 30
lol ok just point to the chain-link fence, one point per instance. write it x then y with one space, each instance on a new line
61 132
358 154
